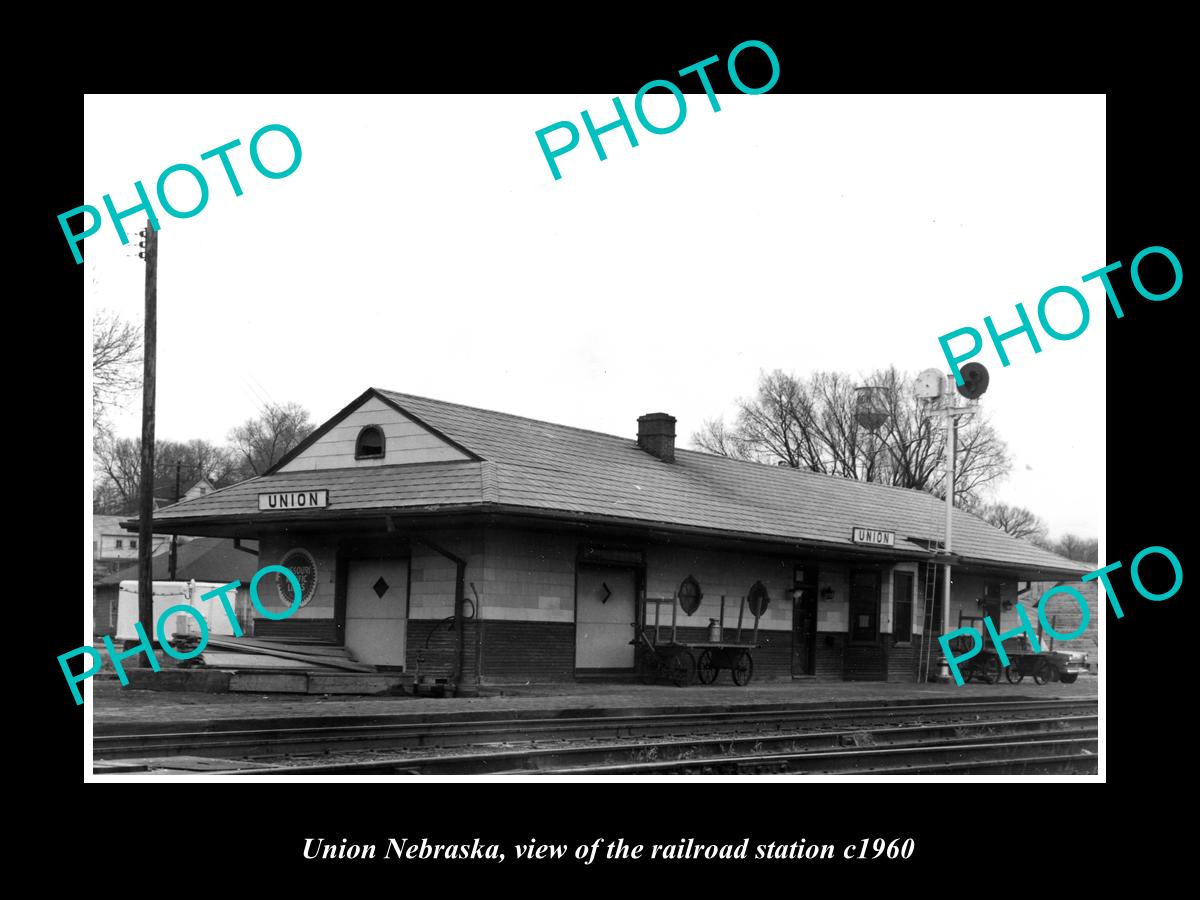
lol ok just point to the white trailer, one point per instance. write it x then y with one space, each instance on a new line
181 593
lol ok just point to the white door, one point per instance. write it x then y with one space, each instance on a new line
377 610
604 613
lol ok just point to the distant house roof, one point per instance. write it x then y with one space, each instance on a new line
202 559
110 526
199 489
527 466
106 525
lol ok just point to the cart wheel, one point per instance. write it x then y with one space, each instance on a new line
1043 673
1068 679
742 669
681 668
648 668
706 668
989 670
1014 674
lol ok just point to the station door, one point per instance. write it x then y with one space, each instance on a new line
604 615
377 610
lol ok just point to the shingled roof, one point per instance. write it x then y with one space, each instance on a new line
539 468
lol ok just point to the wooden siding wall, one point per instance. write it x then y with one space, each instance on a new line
527 576
731 574
526 584
404 442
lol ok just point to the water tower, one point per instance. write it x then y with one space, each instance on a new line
871 408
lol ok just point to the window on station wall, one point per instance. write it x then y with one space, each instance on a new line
864 607
902 606
370 443
133 544
120 544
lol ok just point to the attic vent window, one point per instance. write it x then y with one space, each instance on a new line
370 443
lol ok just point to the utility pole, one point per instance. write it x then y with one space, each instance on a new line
146 497
175 537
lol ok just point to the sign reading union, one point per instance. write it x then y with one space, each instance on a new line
873 536
294 500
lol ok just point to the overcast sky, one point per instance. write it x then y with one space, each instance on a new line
423 246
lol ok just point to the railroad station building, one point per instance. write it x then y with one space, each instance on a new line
487 548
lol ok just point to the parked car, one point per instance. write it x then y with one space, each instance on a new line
1043 666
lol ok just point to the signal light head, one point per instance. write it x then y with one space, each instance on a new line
975 381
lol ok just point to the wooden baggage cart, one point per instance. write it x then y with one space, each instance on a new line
682 662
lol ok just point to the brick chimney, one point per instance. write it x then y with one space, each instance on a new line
656 435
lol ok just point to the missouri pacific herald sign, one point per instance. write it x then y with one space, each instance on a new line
294 500
873 536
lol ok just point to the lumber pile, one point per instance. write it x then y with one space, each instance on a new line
248 653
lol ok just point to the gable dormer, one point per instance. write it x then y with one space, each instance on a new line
372 432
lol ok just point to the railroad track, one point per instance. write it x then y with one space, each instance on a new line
1074 755
225 739
749 739
1069 743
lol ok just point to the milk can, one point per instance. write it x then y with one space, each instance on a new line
714 630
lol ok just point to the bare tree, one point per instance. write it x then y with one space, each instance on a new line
1015 520
717 438
119 462
1080 549
263 441
812 423
219 465
116 357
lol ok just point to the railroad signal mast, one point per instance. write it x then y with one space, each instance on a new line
942 394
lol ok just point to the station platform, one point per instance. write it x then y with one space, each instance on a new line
113 704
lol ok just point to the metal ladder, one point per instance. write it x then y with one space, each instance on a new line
925 655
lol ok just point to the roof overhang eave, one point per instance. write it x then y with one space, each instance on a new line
236 524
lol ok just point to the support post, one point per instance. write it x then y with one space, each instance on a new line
173 562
